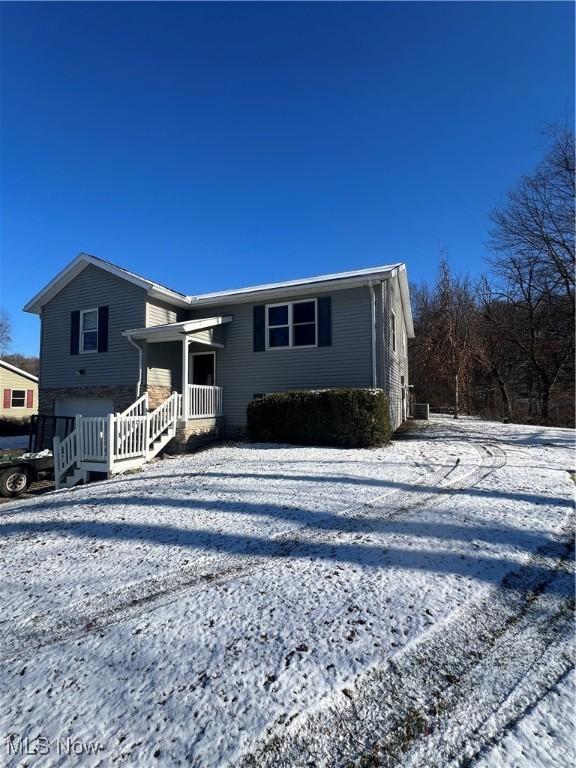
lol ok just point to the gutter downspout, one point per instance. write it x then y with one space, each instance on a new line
373 306
139 348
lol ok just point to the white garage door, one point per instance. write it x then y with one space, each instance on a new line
84 406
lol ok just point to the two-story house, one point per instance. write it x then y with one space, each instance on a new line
111 338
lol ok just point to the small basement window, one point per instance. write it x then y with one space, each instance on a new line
89 330
18 398
292 324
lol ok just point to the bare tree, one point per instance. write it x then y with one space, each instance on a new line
5 331
444 351
535 226
458 328
494 353
533 258
29 363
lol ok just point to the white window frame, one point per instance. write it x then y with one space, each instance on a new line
393 330
12 398
290 324
81 349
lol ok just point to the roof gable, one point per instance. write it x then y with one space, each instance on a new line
335 281
19 371
80 263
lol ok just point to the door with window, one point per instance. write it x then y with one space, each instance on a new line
203 368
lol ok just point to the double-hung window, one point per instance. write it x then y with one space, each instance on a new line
18 399
89 330
393 330
292 324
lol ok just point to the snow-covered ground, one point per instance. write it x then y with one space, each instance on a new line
544 735
211 606
16 441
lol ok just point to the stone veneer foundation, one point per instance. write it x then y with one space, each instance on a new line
192 433
156 395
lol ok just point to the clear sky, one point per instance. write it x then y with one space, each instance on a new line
213 146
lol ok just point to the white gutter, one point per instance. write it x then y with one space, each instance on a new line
293 288
139 348
373 307
405 298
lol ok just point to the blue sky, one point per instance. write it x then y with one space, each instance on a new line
213 146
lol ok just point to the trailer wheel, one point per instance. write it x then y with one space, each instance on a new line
14 481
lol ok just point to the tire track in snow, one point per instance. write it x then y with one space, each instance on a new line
96 613
456 690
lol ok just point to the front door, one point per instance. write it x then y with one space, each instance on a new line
203 368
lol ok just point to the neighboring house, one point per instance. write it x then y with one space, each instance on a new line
19 392
109 335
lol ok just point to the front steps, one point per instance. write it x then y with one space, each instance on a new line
73 476
115 443
119 442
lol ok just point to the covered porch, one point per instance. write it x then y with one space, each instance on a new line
182 357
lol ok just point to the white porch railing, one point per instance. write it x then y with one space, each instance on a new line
118 441
204 401
165 415
64 454
138 408
92 437
101 443
129 436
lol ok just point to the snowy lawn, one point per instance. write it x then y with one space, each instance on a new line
188 613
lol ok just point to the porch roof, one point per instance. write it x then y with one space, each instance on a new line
176 331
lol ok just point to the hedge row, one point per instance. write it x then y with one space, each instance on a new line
10 427
340 417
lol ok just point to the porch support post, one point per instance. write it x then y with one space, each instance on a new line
185 377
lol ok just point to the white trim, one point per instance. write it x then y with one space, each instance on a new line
290 324
195 354
19 371
174 331
212 344
313 286
330 282
81 349
12 406
140 364
373 331
81 262
405 299
357 276
185 360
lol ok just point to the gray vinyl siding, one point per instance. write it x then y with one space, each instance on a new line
93 287
164 365
161 313
244 373
163 361
239 370
208 336
392 364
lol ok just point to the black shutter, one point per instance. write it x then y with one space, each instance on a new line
75 332
102 329
259 328
325 321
